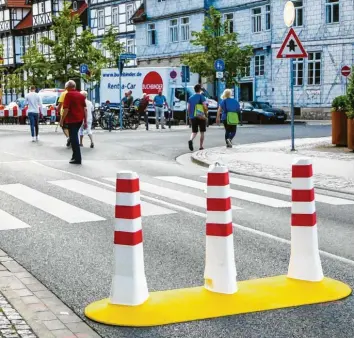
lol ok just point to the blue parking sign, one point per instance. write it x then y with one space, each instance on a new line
83 69
219 65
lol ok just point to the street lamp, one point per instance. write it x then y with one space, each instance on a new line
289 13
289 17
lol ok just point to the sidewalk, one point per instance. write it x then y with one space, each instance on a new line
333 167
29 310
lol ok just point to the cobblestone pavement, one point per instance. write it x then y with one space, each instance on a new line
318 148
28 309
11 323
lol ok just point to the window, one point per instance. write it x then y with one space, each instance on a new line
41 7
259 65
185 35
268 18
27 42
151 34
247 70
14 14
115 16
100 15
10 54
229 19
299 13
314 68
257 20
173 30
160 0
130 46
75 6
130 12
45 47
332 11
298 72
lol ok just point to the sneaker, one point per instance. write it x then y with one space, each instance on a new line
37 138
201 148
190 144
228 143
92 146
33 139
68 143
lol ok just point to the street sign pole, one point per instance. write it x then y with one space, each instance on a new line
292 104
120 95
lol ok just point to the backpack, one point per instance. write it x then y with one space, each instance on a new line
199 109
231 117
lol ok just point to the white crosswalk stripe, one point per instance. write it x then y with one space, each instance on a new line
107 196
242 195
287 191
49 204
172 194
9 222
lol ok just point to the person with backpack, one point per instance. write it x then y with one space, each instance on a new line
198 114
229 110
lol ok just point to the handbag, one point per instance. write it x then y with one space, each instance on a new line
231 117
199 110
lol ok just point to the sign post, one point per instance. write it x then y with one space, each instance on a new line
346 72
291 48
219 66
186 79
121 59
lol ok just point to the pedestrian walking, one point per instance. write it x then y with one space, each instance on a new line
74 115
34 104
142 109
198 114
159 103
89 118
61 111
229 110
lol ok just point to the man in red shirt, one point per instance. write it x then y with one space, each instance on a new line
74 115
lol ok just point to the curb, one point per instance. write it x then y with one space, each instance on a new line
206 165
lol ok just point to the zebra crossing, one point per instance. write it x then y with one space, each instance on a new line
166 187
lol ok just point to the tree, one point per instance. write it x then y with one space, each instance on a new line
350 96
35 69
65 57
219 43
113 47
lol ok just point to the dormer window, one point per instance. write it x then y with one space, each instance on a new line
75 6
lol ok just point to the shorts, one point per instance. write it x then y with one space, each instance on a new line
198 123
87 131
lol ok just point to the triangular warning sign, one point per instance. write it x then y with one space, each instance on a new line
292 47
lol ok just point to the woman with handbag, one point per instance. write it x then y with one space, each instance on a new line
229 110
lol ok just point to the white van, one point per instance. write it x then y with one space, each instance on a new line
150 81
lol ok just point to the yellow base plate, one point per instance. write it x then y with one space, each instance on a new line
183 305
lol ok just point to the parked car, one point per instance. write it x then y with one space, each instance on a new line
50 98
261 112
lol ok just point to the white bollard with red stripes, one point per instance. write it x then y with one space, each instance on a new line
305 262
220 267
129 286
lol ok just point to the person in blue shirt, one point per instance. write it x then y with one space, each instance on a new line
159 103
228 105
198 114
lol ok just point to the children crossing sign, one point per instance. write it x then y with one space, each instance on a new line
292 47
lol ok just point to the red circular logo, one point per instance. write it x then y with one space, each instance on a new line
152 83
346 71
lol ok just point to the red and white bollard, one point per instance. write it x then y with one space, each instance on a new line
220 267
129 286
305 262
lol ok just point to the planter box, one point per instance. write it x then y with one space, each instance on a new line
350 125
339 129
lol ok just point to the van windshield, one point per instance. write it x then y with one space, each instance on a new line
180 93
48 99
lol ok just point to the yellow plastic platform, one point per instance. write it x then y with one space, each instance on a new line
183 305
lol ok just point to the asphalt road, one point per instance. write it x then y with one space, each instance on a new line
73 258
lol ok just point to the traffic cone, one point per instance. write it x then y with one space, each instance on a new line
305 262
129 286
220 267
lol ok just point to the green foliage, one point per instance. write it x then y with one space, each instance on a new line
113 47
350 96
219 43
340 103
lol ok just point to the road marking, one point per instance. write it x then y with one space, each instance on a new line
107 196
287 191
49 204
9 222
203 215
263 200
172 194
